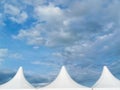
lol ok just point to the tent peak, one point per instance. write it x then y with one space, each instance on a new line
107 80
106 70
17 82
64 80
20 71
63 68
20 68
105 67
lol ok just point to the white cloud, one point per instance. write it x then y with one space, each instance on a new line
105 36
48 13
34 3
3 53
44 63
54 38
15 56
10 9
33 36
16 14
57 54
1 20
20 18
109 26
36 47
70 25
75 29
36 62
67 26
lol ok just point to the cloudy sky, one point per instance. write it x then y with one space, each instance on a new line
43 35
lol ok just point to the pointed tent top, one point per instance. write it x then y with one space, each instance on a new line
105 68
63 67
107 80
106 71
20 72
63 70
20 68
63 80
17 82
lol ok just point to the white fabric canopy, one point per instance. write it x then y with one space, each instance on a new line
63 80
64 89
17 82
106 89
107 80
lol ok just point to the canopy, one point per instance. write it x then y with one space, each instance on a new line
17 82
63 80
107 80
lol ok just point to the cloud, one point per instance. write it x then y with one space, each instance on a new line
38 80
43 12
7 54
15 14
33 36
3 53
10 9
48 64
1 20
85 76
64 26
57 54
76 31
114 68
34 3
16 56
21 18
59 38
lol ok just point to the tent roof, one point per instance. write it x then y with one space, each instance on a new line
63 80
17 82
107 80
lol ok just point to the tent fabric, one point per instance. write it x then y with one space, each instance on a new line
107 80
17 82
64 89
106 89
63 80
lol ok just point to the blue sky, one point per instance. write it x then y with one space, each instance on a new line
43 35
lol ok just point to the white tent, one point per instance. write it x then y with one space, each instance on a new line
17 82
107 80
64 81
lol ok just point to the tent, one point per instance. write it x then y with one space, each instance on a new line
17 82
107 80
64 81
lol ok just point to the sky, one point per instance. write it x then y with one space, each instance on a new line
43 35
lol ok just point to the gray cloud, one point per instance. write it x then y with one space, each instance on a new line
69 28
